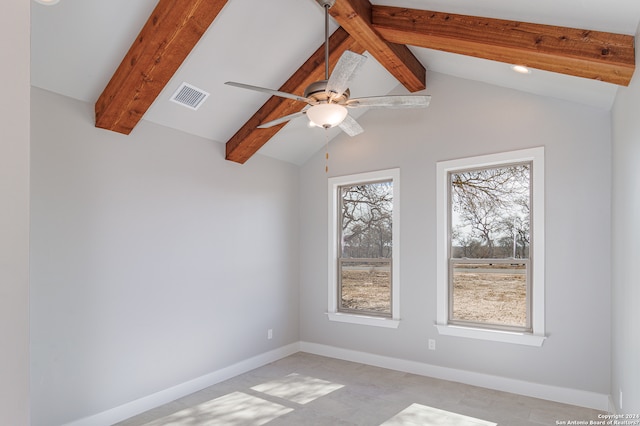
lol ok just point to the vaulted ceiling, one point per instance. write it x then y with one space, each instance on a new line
395 37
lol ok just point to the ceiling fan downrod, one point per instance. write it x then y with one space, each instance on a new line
326 5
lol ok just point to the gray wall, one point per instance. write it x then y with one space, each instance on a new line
153 260
625 329
14 213
467 119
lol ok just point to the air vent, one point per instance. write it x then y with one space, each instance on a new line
189 96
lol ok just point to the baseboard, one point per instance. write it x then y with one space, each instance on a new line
141 405
552 393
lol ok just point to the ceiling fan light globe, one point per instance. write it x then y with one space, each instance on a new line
327 115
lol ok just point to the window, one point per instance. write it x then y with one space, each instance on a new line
363 248
490 247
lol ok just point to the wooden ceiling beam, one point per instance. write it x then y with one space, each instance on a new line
175 26
355 16
167 38
249 139
583 53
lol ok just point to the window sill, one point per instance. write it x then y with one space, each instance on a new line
364 320
492 335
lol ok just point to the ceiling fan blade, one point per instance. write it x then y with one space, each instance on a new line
269 91
345 70
350 126
400 101
282 119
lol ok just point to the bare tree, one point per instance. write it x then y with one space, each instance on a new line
492 204
366 220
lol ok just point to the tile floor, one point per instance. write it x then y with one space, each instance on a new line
305 389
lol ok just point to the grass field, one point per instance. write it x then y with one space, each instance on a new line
482 295
367 290
498 298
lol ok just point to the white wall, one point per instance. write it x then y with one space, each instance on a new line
14 213
467 119
625 374
154 260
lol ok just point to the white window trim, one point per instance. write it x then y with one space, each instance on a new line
537 336
332 312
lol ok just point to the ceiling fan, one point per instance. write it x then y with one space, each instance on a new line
328 100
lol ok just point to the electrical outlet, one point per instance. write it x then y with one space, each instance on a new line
270 334
432 344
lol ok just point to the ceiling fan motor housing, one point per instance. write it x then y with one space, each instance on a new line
317 92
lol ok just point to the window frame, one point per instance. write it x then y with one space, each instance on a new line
536 336
334 203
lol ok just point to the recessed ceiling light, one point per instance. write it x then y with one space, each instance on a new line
47 2
521 69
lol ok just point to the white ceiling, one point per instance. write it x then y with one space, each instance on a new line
77 45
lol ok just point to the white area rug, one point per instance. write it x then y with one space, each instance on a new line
422 415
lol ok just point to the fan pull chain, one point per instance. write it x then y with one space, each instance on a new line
326 154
